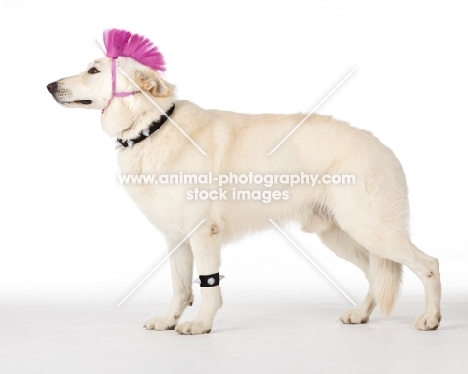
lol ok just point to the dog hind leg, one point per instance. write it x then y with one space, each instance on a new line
345 247
394 244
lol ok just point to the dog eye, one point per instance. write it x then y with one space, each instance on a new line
93 71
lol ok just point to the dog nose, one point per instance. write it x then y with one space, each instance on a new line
52 87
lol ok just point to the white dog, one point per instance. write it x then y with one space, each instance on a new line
364 222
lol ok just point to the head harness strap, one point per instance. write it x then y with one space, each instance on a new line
114 85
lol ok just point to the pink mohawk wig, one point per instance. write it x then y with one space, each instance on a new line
121 43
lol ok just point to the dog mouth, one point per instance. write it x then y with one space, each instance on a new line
82 102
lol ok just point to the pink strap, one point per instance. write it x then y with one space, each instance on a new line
114 75
114 84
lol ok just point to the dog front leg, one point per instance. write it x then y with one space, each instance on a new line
207 252
182 273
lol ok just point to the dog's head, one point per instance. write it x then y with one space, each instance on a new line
93 88
138 58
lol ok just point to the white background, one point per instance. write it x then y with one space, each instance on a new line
70 232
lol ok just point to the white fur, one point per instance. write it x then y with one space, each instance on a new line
365 223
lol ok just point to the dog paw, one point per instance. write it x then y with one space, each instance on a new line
160 324
428 321
193 328
354 316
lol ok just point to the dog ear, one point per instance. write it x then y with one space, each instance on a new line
150 80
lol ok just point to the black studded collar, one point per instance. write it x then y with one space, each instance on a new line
154 126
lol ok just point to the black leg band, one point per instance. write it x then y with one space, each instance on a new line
209 280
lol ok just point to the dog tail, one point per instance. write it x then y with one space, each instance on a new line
385 279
